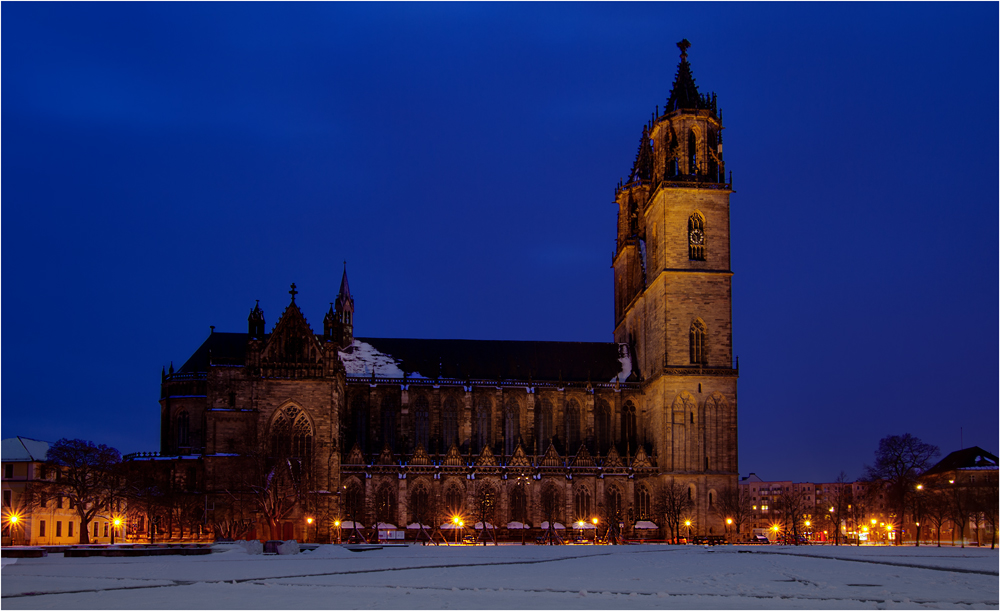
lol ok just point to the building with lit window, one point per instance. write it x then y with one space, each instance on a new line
32 513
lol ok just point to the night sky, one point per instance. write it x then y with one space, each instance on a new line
164 165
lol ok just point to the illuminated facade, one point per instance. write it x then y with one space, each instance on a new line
403 431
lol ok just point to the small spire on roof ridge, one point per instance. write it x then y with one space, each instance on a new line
293 292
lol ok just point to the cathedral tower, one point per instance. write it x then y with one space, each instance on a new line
673 292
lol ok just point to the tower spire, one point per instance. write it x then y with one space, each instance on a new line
684 94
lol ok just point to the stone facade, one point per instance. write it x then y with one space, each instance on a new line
417 431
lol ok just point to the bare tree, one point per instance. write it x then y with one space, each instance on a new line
899 460
791 504
735 504
933 508
88 475
840 501
985 500
676 503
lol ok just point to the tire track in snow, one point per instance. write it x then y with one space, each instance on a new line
902 564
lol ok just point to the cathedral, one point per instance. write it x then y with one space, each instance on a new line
297 433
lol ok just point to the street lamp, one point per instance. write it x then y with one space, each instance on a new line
309 522
688 524
729 523
774 531
336 524
594 520
115 523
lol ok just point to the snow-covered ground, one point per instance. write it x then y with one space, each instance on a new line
516 577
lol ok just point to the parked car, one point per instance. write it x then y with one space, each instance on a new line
469 540
758 539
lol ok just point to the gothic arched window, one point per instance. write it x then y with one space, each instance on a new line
183 429
449 422
602 422
572 427
421 421
359 415
643 503
614 503
385 505
551 504
696 237
697 340
511 427
420 506
388 429
483 423
519 505
454 499
354 502
291 434
582 505
543 418
629 435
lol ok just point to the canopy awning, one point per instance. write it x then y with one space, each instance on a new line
583 526
385 526
479 526
558 526
517 525
350 525
645 525
417 526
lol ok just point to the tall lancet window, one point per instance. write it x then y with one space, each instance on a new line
449 423
511 427
696 237
483 424
697 339
183 428
692 153
422 422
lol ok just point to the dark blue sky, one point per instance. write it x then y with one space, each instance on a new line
167 164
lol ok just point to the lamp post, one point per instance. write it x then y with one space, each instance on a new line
336 524
594 521
309 522
774 531
729 522
920 488
873 534
688 524
115 523
456 522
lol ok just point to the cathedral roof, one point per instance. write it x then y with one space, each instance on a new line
452 358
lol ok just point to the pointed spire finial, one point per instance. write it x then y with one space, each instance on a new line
293 292
684 45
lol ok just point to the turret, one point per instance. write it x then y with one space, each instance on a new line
255 322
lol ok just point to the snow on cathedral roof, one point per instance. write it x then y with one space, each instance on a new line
598 362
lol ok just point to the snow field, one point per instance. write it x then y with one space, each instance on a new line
516 577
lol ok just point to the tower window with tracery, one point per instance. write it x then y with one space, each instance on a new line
696 237
697 341
291 434
183 429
